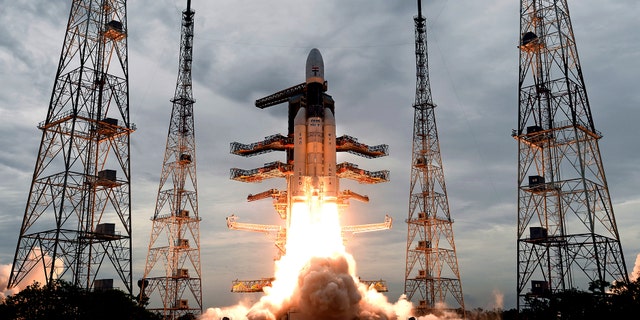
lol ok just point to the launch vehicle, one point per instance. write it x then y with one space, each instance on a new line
311 168
314 139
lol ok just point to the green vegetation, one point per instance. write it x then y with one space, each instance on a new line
63 300
602 301
620 302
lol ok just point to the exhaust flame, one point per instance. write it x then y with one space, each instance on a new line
316 278
314 231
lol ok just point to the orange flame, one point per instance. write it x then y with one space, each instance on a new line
314 231
316 276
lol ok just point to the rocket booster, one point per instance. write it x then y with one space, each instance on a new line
314 152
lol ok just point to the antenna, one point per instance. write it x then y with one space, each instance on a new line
176 290
432 276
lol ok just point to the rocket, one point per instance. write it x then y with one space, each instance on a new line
311 146
314 138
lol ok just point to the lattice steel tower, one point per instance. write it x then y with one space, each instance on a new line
77 221
567 233
431 275
174 288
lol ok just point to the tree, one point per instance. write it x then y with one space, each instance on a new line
188 316
622 300
626 297
62 300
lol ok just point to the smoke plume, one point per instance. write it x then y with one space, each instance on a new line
498 298
316 278
636 269
5 271
35 275
325 289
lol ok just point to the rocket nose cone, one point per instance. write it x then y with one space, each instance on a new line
315 53
315 67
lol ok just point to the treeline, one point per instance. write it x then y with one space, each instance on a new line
62 300
621 301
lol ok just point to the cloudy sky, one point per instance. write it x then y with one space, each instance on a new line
245 50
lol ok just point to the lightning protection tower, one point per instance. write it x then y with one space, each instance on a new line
77 221
431 275
175 289
567 233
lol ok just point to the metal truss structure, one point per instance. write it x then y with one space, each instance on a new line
77 221
567 233
172 280
432 275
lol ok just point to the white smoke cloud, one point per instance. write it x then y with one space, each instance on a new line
326 289
238 311
5 271
636 269
316 278
498 299
35 275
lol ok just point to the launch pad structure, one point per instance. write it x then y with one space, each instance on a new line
310 166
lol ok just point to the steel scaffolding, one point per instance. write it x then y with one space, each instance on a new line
567 233
432 276
174 288
77 221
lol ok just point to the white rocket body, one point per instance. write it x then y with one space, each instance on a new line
314 152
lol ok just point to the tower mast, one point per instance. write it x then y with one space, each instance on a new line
78 212
567 233
431 276
175 290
